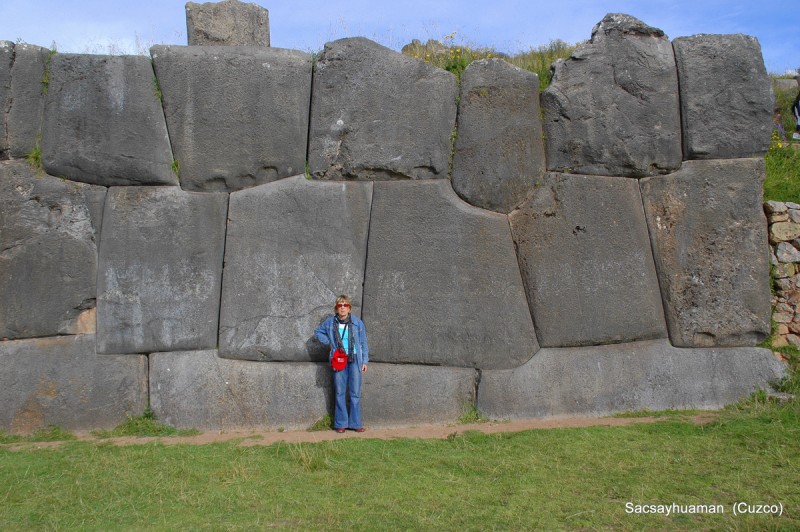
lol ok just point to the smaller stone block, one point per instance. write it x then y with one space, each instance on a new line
499 151
27 98
783 232
104 123
62 381
6 63
227 23
726 96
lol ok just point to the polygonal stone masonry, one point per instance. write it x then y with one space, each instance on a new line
6 62
227 23
26 113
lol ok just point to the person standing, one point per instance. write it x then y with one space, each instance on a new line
348 332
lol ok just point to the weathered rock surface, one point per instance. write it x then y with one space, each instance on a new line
499 151
160 270
377 114
612 108
586 259
104 123
48 252
27 98
196 389
237 116
292 247
227 23
6 62
726 96
61 381
442 282
601 380
709 238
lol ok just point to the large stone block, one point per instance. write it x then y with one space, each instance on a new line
442 283
61 381
601 380
6 62
48 253
292 247
160 270
726 96
104 123
27 98
196 389
237 116
499 151
227 23
612 108
585 256
377 114
709 237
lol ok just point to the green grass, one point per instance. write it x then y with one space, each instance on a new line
783 172
51 433
144 426
324 423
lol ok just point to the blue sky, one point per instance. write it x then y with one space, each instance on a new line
103 26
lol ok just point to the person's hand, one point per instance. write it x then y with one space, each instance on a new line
363 368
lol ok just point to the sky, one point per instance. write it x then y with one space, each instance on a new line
111 26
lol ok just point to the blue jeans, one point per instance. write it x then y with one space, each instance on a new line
350 375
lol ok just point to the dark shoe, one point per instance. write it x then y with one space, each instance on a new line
340 431
362 429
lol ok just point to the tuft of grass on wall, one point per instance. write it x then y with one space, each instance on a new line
143 426
783 171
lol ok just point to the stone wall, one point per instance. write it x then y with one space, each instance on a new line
599 248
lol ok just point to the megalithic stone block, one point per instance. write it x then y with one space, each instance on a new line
237 116
227 23
377 114
709 236
726 96
62 381
601 380
499 150
585 256
160 270
6 62
442 283
612 108
104 123
292 247
48 253
27 98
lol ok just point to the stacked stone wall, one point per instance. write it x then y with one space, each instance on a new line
586 251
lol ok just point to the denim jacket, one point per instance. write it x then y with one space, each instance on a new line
326 334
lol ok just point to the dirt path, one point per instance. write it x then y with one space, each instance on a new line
264 437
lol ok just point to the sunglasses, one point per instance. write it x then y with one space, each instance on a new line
342 305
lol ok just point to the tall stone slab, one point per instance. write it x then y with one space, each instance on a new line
442 283
237 116
709 237
377 114
499 150
27 98
602 380
612 108
6 62
160 270
104 123
62 381
726 96
585 256
49 230
196 389
227 23
292 247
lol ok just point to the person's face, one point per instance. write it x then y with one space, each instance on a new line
342 309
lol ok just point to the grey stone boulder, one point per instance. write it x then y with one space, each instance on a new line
601 380
442 283
227 23
104 123
709 237
726 96
62 381
585 256
377 114
292 247
27 98
196 389
160 270
499 150
237 116
48 253
6 63
612 107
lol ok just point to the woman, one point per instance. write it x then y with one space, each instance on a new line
346 331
